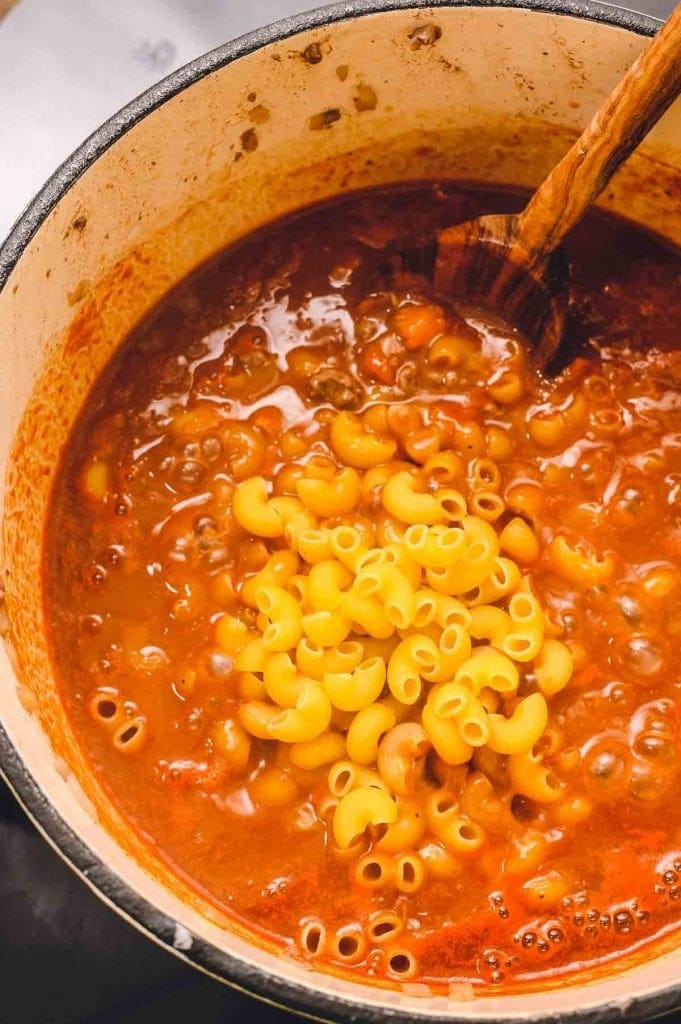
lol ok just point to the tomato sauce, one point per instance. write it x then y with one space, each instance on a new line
143 556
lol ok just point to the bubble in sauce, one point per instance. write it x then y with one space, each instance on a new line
211 448
187 474
643 655
607 769
218 664
648 783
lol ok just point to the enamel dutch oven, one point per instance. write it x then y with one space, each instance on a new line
359 94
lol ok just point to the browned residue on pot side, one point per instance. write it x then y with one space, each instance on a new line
249 140
425 35
324 119
79 292
312 54
78 224
87 326
4 620
259 114
365 98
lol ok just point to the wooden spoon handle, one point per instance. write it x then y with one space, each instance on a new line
635 105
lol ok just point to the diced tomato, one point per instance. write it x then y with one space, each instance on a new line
417 325
587 676
374 361
269 419
206 775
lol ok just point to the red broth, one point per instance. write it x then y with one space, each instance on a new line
239 373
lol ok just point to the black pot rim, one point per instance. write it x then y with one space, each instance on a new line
264 984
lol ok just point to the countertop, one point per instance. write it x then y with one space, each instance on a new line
64 957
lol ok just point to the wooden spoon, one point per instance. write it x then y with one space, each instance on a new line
510 263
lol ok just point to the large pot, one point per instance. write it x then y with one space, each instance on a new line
255 129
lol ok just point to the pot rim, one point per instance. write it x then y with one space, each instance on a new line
249 979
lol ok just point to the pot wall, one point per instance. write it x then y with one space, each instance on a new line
484 93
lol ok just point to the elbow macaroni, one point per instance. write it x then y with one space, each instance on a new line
284 628
314 545
358 809
355 446
402 499
394 590
531 779
410 659
352 691
277 571
577 565
307 720
315 660
365 732
326 582
331 497
553 666
436 548
521 731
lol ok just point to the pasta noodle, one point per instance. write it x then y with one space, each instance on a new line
367 727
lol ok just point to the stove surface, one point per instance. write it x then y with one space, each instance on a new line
65 66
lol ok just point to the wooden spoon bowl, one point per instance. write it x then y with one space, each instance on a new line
480 262
511 263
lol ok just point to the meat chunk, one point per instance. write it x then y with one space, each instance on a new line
336 387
